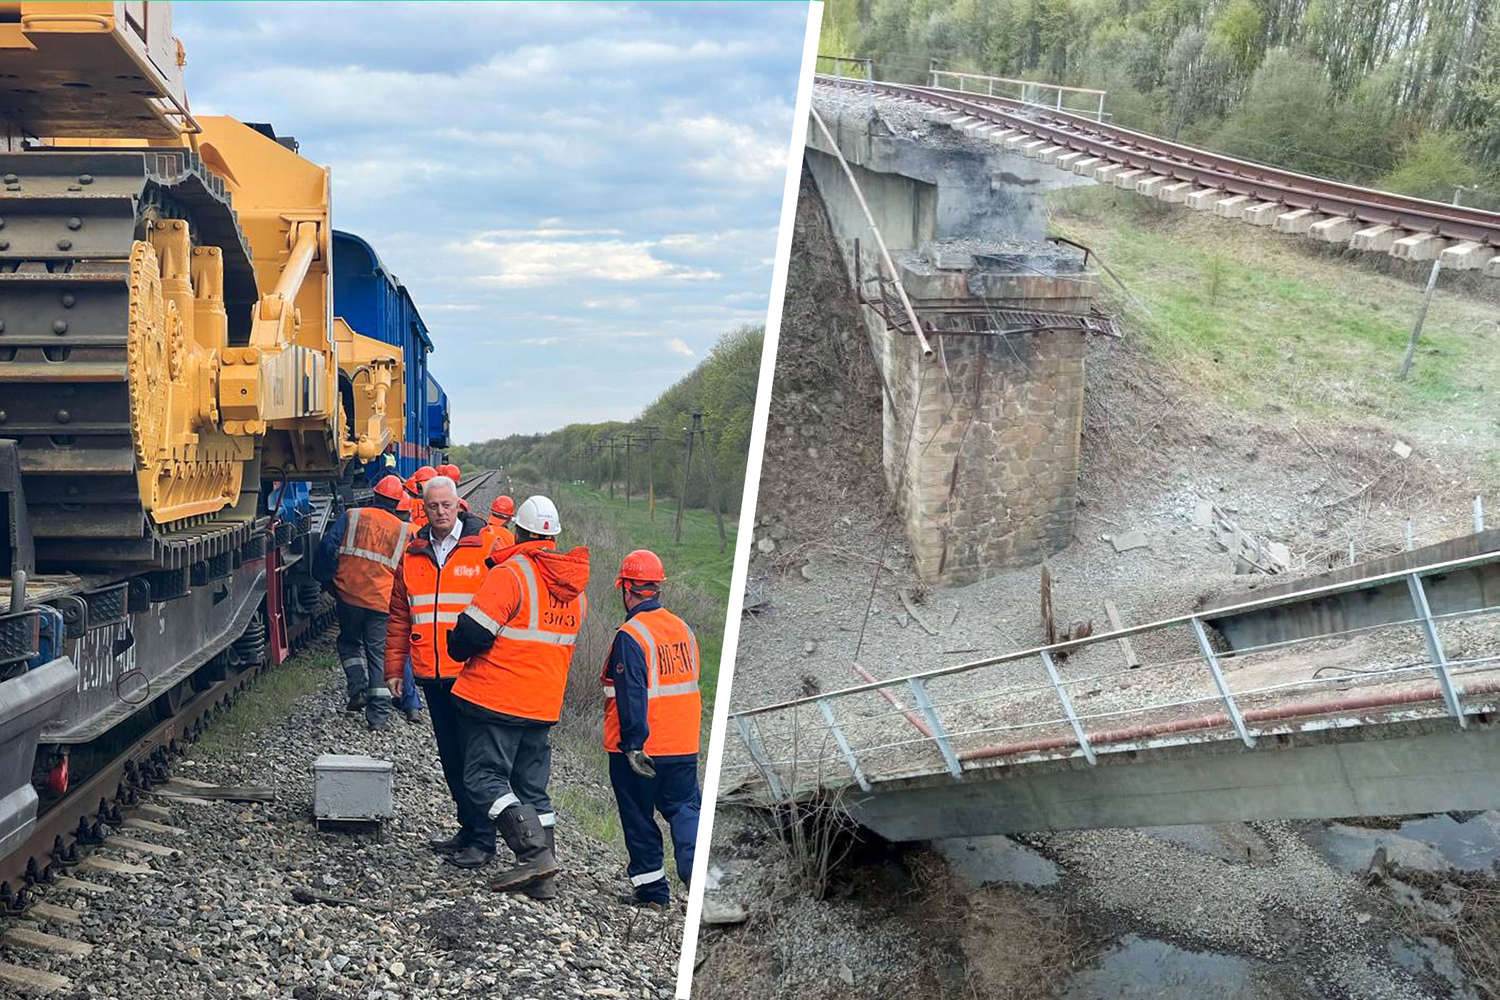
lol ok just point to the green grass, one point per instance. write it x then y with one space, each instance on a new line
269 701
697 589
1261 323
697 572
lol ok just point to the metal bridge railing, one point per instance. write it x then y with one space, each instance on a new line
1025 91
1077 698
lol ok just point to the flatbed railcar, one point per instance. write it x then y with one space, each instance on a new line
177 364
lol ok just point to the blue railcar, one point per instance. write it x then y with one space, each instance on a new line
372 301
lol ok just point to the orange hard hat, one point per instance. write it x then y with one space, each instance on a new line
641 566
423 474
389 487
451 471
503 506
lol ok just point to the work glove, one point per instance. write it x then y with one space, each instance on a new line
640 763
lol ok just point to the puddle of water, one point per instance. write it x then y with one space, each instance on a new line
1142 967
1472 846
980 861
1431 955
1431 843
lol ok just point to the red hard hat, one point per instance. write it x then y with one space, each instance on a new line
423 474
641 565
389 487
503 506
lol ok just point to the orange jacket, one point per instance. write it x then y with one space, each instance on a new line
426 601
527 614
674 707
369 553
501 533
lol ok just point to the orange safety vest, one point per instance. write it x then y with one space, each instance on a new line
427 603
500 532
369 553
418 512
533 603
674 708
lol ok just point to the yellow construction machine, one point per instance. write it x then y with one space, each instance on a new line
167 334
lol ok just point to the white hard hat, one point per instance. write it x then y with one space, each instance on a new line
538 515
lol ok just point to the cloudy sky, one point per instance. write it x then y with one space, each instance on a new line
581 198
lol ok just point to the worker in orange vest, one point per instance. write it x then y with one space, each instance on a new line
653 713
517 639
502 509
357 558
414 484
440 572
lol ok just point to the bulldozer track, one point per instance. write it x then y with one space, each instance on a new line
68 220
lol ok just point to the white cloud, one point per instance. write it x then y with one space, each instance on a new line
617 302
540 262
676 346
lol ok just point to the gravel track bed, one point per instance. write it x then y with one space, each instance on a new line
219 921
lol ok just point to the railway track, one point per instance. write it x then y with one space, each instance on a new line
76 830
70 826
1321 209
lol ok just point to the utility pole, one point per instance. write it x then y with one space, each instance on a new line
614 461
651 434
628 439
687 465
694 432
1416 330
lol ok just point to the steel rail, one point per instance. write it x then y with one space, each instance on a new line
81 802
1211 170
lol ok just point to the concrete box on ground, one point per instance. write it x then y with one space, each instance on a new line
352 787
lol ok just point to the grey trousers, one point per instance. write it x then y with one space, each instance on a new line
507 765
361 648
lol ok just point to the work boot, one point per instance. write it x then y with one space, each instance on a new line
356 704
525 835
469 857
446 845
545 888
631 899
412 714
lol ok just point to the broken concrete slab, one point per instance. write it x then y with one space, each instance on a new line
1129 540
1401 449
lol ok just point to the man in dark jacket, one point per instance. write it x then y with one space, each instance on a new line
357 560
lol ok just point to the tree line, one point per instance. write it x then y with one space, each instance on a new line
1397 94
721 388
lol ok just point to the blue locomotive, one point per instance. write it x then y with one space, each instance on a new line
371 300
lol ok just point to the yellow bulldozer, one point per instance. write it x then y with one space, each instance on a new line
167 336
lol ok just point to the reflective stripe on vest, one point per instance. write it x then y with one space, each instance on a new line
673 707
389 560
524 672
369 556
657 689
435 597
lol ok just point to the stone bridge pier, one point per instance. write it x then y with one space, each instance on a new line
989 477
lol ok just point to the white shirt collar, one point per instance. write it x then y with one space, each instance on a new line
445 545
